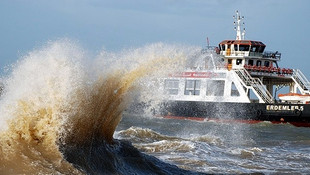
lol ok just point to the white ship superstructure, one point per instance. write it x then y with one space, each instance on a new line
241 75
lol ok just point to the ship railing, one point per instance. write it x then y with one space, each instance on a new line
270 54
235 53
240 53
256 54
301 80
269 70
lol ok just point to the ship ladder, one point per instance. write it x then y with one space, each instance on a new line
301 80
255 83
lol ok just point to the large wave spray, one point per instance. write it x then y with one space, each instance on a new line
57 97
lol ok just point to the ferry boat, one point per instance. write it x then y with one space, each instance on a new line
238 81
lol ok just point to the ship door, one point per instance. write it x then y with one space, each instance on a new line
229 66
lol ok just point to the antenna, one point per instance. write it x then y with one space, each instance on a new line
237 23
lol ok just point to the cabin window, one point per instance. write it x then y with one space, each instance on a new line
234 90
215 87
236 47
266 63
254 49
192 87
172 87
239 61
258 63
222 47
244 47
251 62
261 49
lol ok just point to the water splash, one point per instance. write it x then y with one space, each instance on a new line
57 98
37 100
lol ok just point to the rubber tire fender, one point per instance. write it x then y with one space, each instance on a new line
297 112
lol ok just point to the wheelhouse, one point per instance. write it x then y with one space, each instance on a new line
241 48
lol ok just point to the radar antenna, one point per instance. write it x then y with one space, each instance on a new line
238 24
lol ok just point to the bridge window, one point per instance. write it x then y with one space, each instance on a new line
236 47
222 46
234 90
215 87
172 87
261 49
192 87
244 47
254 49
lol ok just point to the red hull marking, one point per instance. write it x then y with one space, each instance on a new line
212 119
184 118
235 121
299 124
194 74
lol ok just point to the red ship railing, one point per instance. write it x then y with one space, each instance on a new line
277 70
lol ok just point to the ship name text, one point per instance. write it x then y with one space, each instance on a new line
283 108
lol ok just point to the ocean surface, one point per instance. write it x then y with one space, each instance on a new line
63 111
220 148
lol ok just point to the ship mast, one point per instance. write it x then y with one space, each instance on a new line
238 24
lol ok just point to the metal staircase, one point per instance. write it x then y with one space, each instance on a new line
255 84
302 82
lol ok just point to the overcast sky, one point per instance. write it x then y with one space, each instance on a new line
283 25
